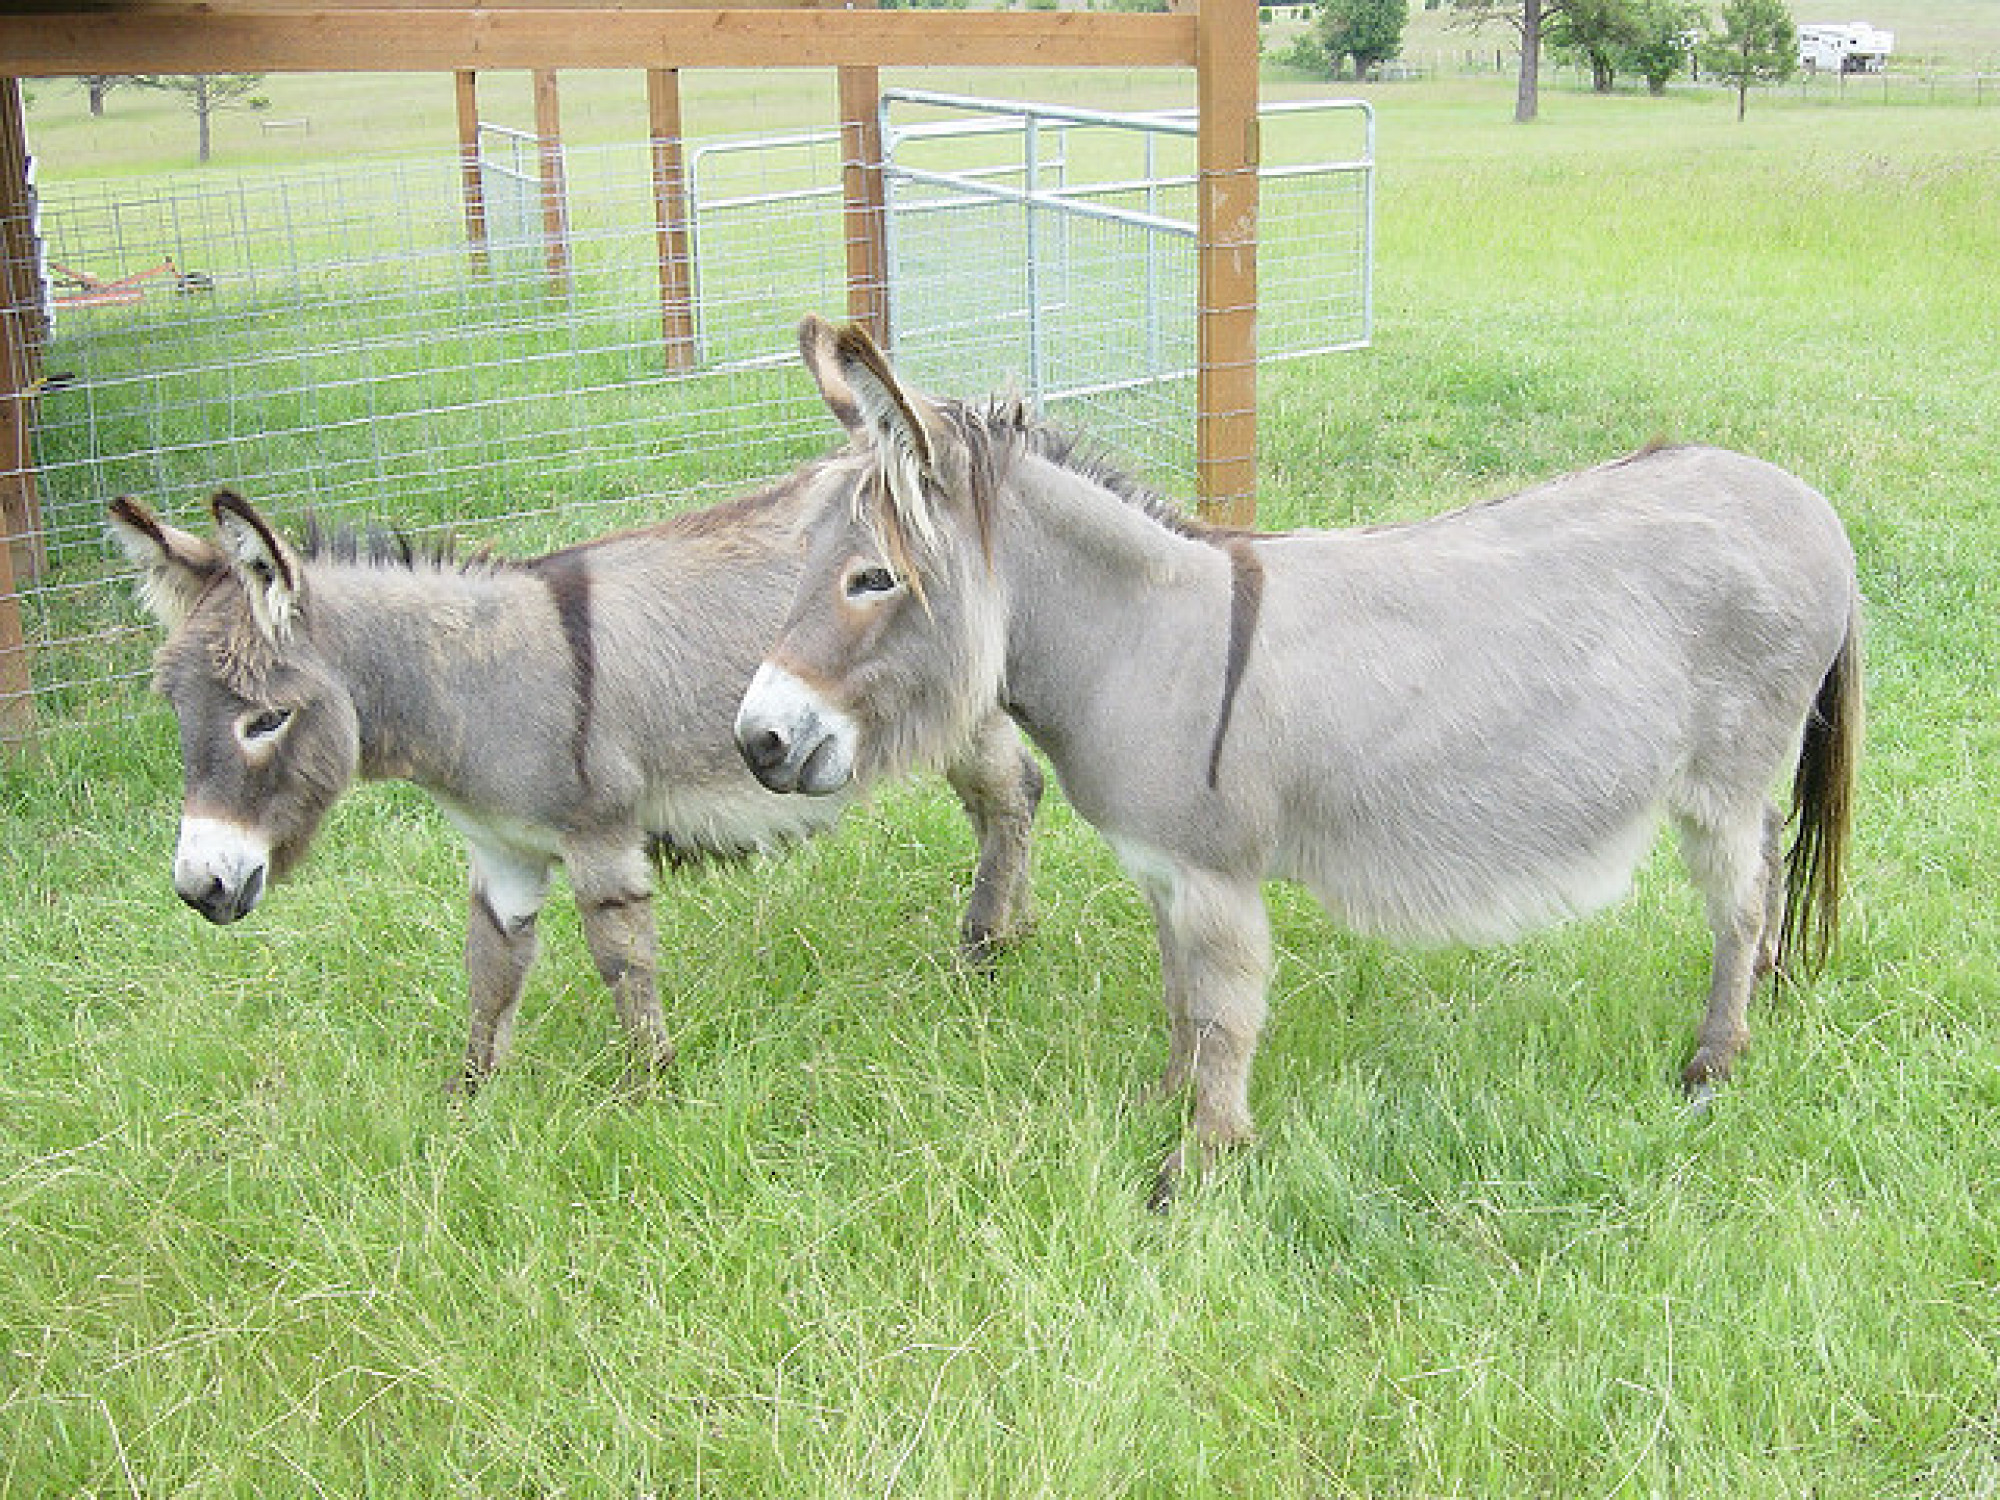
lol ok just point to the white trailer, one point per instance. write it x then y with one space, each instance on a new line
1851 47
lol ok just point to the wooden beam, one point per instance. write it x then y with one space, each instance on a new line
185 8
670 216
1227 154
278 38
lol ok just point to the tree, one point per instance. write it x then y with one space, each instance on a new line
209 93
1600 32
97 85
1757 44
1369 31
1647 37
1526 17
1662 30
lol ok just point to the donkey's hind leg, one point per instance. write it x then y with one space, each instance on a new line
1735 864
508 890
613 885
1000 785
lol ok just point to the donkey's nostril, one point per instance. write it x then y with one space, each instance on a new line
212 901
222 904
765 749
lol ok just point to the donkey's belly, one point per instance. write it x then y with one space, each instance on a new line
732 820
1466 891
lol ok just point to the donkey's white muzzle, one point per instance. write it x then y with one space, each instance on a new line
220 868
791 740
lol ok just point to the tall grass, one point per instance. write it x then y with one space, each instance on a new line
883 1233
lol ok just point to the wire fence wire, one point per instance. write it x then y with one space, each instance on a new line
1088 286
336 340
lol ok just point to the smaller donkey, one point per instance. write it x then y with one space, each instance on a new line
572 708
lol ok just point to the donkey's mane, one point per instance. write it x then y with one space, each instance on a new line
377 545
1000 429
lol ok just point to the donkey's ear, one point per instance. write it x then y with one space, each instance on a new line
269 570
174 565
917 446
818 348
893 417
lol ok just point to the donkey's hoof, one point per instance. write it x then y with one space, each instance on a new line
1708 1068
980 946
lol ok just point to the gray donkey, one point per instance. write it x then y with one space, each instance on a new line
1454 730
573 708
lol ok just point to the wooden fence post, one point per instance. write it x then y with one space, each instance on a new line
863 196
1228 155
670 216
22 558
555 191
467 86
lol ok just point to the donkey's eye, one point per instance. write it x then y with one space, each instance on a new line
265 723
871 580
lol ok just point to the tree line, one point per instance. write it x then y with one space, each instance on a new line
1743 43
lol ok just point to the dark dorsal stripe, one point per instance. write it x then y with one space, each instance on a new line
1246 600
567 576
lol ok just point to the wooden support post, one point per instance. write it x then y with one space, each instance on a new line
17 683
21 341
1226 245
670 217
863 197
467 83
21 333
555 191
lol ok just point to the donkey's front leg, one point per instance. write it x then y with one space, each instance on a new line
614 896
1000 785
508 890
1215 964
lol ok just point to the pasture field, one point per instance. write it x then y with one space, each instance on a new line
883 1232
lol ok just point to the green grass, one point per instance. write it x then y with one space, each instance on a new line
883 1233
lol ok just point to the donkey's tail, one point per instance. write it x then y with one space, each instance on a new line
1822 813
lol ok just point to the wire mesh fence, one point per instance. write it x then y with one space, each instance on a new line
1089 300
340 340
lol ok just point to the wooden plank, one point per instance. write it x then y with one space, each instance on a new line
182 9
670 216
1227 154
466 88
329 39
